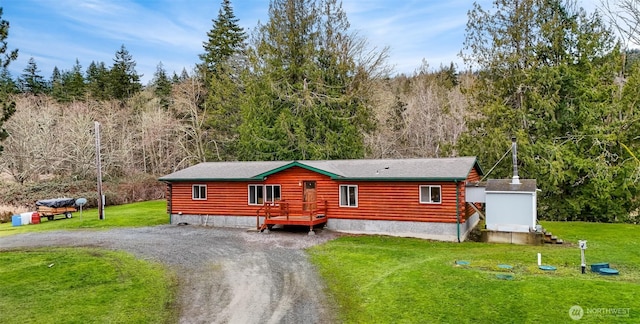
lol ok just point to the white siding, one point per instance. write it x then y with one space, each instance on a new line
511 211
475 194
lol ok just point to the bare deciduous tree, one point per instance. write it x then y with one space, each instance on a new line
417 116
624 15
187 98
51 139
30 150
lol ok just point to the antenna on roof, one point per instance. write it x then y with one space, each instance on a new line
514 150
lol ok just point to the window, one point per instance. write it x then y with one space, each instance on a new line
430 195
199 192
273 193
256 195
348 196
259 194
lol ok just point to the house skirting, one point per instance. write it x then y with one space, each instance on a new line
528 238
216 220
423 230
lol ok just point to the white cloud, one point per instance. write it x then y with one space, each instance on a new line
55 33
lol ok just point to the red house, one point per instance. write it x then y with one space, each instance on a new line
403 197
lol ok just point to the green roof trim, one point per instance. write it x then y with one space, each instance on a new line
207 179
301 165
401 179
476 165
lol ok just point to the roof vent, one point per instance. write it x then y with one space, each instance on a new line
514 151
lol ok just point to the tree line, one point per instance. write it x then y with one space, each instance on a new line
120 81
304 85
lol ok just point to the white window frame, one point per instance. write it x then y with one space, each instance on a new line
348 188
255 194
428 200
273 199
264 190
198 191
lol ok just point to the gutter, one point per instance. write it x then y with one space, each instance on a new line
368 179
398 179
209 179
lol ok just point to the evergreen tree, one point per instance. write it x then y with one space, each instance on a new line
97 81
68 85
123 80
175 78
225 40
632 56
74 82
184 75
57 86
307 99
6 56
162 85
7 84
546 75
220 69
625 133
224 95
31 81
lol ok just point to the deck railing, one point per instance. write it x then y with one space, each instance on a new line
292 209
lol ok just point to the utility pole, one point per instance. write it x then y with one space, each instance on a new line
99 172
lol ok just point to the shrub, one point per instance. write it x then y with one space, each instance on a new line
117 192
5 216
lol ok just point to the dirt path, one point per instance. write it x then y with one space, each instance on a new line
225 275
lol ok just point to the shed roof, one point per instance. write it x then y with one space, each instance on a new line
434 169
504 185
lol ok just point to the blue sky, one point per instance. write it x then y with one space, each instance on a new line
57 32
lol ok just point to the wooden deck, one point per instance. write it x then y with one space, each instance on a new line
292 213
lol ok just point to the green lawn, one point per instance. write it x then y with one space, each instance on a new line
399 280
64 285
372 279
146 213
83 286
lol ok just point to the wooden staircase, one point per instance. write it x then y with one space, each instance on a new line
549 238
292 213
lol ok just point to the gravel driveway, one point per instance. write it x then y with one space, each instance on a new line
225 275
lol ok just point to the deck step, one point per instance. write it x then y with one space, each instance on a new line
549 238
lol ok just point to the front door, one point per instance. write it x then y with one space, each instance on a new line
309 195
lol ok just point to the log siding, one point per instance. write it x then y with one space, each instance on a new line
377 200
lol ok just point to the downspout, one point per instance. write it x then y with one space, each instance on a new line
170 202
458 209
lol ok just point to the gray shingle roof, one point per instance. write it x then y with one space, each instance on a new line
224 170
388 169
504 185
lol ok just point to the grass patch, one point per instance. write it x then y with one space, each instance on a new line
65 285
400 280
146 213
